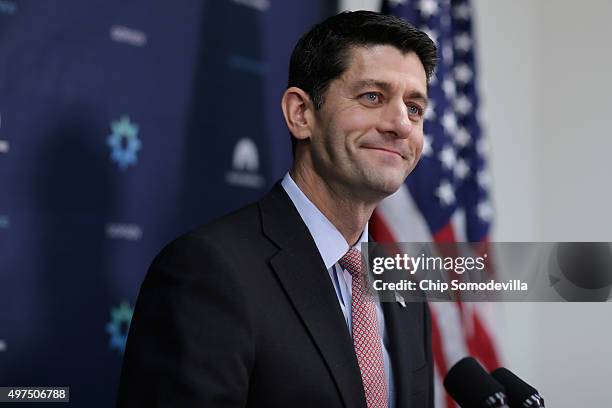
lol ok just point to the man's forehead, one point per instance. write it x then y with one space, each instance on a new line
384 64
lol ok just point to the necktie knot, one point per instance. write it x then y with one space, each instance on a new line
352 262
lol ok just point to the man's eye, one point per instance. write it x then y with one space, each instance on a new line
415 110
372 97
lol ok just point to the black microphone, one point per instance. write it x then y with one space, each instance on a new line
472 387
520 394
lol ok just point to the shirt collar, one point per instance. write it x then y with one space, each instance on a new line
329 241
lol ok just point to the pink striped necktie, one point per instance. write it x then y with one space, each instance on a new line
366 338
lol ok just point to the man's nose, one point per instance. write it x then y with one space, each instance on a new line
395 120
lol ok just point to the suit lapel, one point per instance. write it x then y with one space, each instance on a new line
302 273
407 352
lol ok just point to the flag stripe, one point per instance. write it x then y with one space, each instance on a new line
438 352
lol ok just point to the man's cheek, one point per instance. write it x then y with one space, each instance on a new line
416 146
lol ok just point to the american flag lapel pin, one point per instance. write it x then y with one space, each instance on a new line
400 299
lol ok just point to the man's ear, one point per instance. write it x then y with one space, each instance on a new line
297 108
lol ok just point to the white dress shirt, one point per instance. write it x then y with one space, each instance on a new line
332 246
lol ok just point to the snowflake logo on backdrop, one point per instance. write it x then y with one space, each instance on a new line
124 142
119 325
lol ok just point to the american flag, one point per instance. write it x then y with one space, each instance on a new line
446 198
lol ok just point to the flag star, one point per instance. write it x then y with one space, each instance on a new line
445 20
463 42
484 179
430 112
463 73
447 157
484 211
427 149
428 7
482 147
447 53
433 34
462 104
461 11
449 122
461 137
448 86
445 193
461 169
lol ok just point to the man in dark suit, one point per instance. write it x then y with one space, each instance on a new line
268 306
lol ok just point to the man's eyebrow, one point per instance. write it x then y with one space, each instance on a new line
366 83
419 96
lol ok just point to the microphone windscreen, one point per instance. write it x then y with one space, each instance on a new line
470 385
517 390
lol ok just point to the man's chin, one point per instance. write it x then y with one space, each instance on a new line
391 188
385 186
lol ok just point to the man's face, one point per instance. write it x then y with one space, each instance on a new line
368 135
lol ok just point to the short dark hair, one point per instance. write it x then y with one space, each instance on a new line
321 55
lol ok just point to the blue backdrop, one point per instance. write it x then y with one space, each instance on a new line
122 125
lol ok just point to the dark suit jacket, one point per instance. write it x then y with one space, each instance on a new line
242 313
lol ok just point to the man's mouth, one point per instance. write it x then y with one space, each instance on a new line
384 149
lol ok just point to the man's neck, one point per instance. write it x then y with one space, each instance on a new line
348 214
